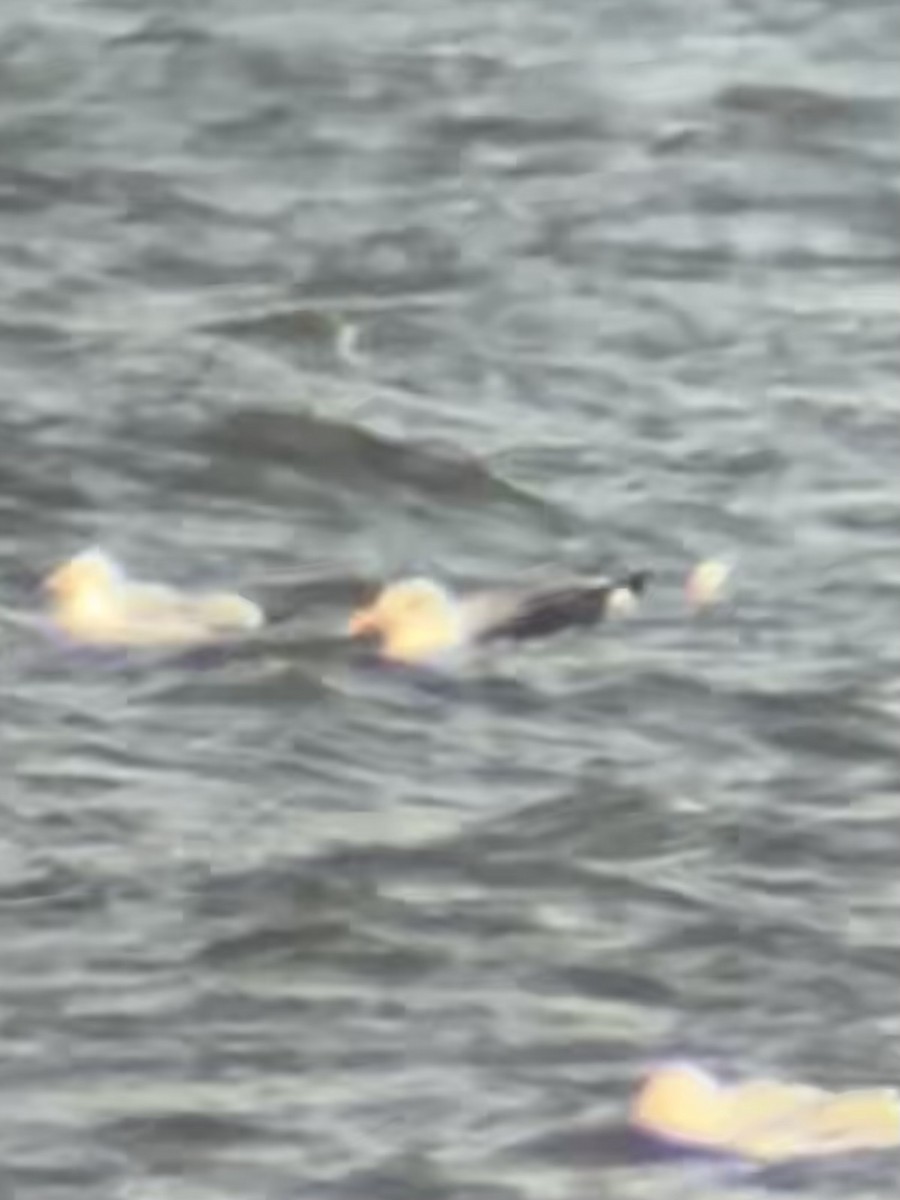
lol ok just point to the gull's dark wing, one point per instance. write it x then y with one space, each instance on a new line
540 612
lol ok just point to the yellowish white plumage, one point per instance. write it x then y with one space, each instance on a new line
419 621
414 619
763 1119
706 582
92 601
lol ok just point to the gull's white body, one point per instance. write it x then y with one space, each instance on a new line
420 621
93 602
763 1119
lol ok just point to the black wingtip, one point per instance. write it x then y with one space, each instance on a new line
637 582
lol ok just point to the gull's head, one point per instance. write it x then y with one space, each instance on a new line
679 1102
412 619
91 573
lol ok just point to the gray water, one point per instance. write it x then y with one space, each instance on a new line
298 297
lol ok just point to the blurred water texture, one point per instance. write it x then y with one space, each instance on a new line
295 298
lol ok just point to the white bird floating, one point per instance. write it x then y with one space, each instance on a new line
92 601
419 621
